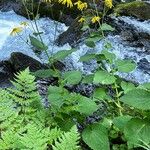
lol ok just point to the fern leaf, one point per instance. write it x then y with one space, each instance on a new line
7 112
68 140
24 93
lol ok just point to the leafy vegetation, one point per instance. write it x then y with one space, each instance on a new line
25 123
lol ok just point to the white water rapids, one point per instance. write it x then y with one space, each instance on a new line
9 44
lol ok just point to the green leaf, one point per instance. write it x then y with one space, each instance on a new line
96 34
109 56
125 65
145 86
108 45
137 98
68 140
104 77
45 73
85 27
90 43
107 123
137 132
127 86
87 57
96 137
62 54
121 121
86 106
72 77
56 94
88 79
37 33
99 93
106 27
38 44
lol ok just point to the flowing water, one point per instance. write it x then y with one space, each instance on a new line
51 30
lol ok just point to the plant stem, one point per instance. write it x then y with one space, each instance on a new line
118 100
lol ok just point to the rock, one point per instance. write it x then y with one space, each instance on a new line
8 5
72 35
20 61
136 36
55 11
136 9
144 65
6 73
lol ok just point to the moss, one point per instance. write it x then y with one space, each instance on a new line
136 9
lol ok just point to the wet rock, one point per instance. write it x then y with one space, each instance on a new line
72 35
55 11
20 61
7 5
136 9
133 31
6 73
17 62
144 65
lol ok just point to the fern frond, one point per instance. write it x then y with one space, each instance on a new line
9 140
24 92
68 140
38 138
7 111
33 138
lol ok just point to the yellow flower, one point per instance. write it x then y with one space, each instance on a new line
81 19
68 2
95 19
81 5
16 30
108 3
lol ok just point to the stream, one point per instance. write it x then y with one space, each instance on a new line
122 49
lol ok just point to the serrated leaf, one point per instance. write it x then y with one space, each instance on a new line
86 106
125 65
72 77
96 137
137 132
88 79
104 77
121 121
99 93
137 98
55 95
145 86
127 86
109 56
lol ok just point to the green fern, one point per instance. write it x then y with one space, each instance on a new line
38 138
9 140
8 113
31 137
33 133
68 140
25 94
